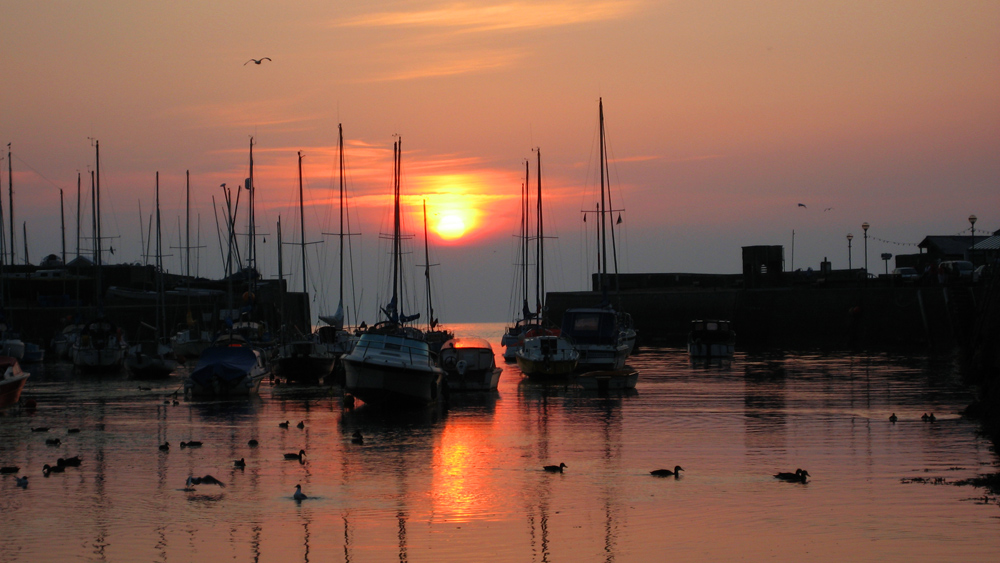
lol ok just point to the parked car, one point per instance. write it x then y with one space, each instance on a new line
957 270
906 274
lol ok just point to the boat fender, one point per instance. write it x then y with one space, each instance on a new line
460 366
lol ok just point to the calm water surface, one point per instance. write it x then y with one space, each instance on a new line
466 484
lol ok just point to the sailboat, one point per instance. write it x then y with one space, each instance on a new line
304 359
513 336
234 365
190 341
154 358
603 336
100 347
339 340
434 336
391 363
544 354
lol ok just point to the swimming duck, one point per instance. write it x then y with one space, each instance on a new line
668 473
7 469
555 468
239 463
46 469
301 424
357 438
931 418
165 447
22 482
893 418
141 388
40 429
252 443
69 461
72 430
283 424
298 494
799 476
194 444
53 442
297 456
206 480
925 418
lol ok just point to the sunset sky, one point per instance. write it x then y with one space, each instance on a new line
721 118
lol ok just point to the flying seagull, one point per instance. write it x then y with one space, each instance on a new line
257 61
803 205
206 480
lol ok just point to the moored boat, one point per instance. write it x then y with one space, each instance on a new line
603 380
596 335
230 368
469 364
711 339
391 363
99 349
547 356
12 381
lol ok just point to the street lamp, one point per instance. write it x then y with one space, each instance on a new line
972 221
850 237
865 226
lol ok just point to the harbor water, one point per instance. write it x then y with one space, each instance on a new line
465 483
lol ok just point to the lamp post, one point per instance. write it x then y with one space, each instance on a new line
850 237
972 221
865 226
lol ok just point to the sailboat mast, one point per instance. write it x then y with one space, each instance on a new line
524 241
302 226
10 191
604 245
160 313
427 272
340 147
540 267
78 185
62 224
397 149
93 213
251 243
187 222
97 158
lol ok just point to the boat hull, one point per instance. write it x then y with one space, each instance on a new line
98 360
711 350
474 380
10 389
305 368
227 371
376 381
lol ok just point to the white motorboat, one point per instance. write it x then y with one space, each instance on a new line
547 356
711 339
469 364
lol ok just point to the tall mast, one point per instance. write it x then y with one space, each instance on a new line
427 272
159 262
251 244
187 223
93 213
77 213
62 225
97 153
340 145
540 252
524 242
604 245
302 226
10 185
397 149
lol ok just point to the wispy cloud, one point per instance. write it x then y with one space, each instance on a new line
471 17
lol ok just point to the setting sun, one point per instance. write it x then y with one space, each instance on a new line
450 227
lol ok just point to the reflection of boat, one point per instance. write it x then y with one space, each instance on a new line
12 381
392 363
231 368
602 380
547 356
711 339
469 364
